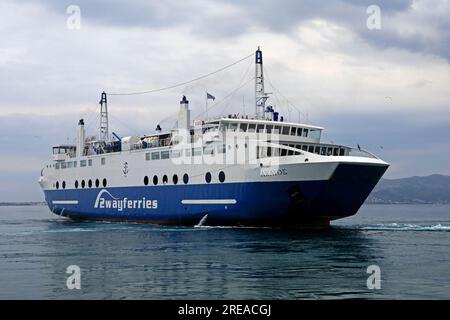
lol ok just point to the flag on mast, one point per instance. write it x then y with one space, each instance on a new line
210 96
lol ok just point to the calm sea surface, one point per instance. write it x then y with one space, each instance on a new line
410 244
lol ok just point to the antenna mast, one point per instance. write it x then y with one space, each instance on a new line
103 130
260 95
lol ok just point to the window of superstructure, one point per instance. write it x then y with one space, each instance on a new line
251 127
155 155
311 149
243 127
90 162
63 165
147 156
299 132
74 164
317 150
82 163
56 165
175 153
103 161
197 151
341 151
165 154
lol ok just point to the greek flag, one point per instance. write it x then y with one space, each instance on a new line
210 96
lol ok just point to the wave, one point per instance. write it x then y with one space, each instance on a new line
405 227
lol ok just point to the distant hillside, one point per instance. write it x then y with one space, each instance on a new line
429 189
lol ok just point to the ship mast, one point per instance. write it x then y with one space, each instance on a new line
103 130
260 95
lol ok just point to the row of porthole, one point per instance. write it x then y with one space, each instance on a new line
165 179
83 184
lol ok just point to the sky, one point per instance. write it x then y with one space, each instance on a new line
383 84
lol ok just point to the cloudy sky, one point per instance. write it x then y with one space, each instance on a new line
387 89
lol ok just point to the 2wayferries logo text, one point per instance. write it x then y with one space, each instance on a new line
105 200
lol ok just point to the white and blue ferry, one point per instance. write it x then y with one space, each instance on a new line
255 170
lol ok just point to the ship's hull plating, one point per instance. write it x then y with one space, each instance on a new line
283 203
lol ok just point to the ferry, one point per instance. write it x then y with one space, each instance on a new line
232 170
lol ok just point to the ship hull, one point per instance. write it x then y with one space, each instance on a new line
272 203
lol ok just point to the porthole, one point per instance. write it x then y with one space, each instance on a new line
155 180
63 184
76 184
175 179
165 179
97 183
208 177
146 180
221 176
90 183
104 183
57 184
83 184
185 178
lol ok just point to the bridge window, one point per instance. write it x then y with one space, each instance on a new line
293 130
269 128
305 132
341 151
243 127
283 152
260 128
286 130
304 148
251 127
311 149
299 132
335 151
277 129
